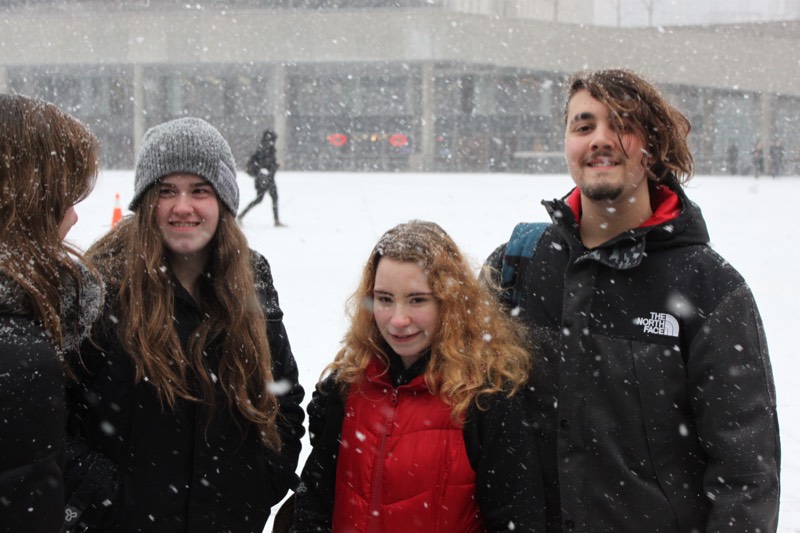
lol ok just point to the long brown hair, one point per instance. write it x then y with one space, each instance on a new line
477 349
48 163
636 103
132 259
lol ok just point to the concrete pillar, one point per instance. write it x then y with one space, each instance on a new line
767 128
424 161
767 120
704 159
279 90
138 107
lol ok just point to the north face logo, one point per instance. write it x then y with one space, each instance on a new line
659 324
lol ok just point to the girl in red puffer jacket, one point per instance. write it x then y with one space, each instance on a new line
418 427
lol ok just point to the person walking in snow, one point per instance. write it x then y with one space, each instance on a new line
654 397
49 298
262 166
186 416
417 426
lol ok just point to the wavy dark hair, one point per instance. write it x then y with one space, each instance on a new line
48 163
477 349
636 103
133 259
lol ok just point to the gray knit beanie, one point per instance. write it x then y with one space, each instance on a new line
189 145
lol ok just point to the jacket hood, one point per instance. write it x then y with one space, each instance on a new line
687 227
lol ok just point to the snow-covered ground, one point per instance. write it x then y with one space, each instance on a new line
334 219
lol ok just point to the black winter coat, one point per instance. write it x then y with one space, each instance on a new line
654 399
32 419
32 402
263 163
177 471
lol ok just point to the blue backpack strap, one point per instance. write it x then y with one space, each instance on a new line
522 244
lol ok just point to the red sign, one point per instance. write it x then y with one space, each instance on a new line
398 140
337 139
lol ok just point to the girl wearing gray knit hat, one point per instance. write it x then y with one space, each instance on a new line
190 146
190 387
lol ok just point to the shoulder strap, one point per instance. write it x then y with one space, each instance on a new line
522 244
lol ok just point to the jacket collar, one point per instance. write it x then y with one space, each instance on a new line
676 221
396 375
665 203
79 308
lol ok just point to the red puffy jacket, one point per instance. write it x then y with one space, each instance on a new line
402 462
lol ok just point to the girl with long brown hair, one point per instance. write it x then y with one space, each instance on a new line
418 426
189 407
48 301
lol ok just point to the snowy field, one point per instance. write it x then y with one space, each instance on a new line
334 219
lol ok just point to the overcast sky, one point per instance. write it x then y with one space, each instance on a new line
682 12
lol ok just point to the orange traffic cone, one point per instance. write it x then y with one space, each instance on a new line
117 215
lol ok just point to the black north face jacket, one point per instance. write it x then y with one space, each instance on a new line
653 394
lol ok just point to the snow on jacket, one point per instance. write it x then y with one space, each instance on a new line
33 416
402 462
32 402
654 400
402 465
178 472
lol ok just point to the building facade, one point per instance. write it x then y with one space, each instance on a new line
390 85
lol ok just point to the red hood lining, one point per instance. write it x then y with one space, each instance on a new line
666 205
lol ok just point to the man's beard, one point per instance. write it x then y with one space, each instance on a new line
603 192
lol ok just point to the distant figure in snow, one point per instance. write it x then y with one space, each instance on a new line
758 159
733 158
49 298
262 166
654 398
421 423
776 158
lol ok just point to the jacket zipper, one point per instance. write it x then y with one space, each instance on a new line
377 475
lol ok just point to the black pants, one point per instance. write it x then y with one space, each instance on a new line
272 189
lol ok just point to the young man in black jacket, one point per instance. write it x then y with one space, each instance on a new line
654 399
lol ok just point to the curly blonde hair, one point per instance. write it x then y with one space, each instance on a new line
477 349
